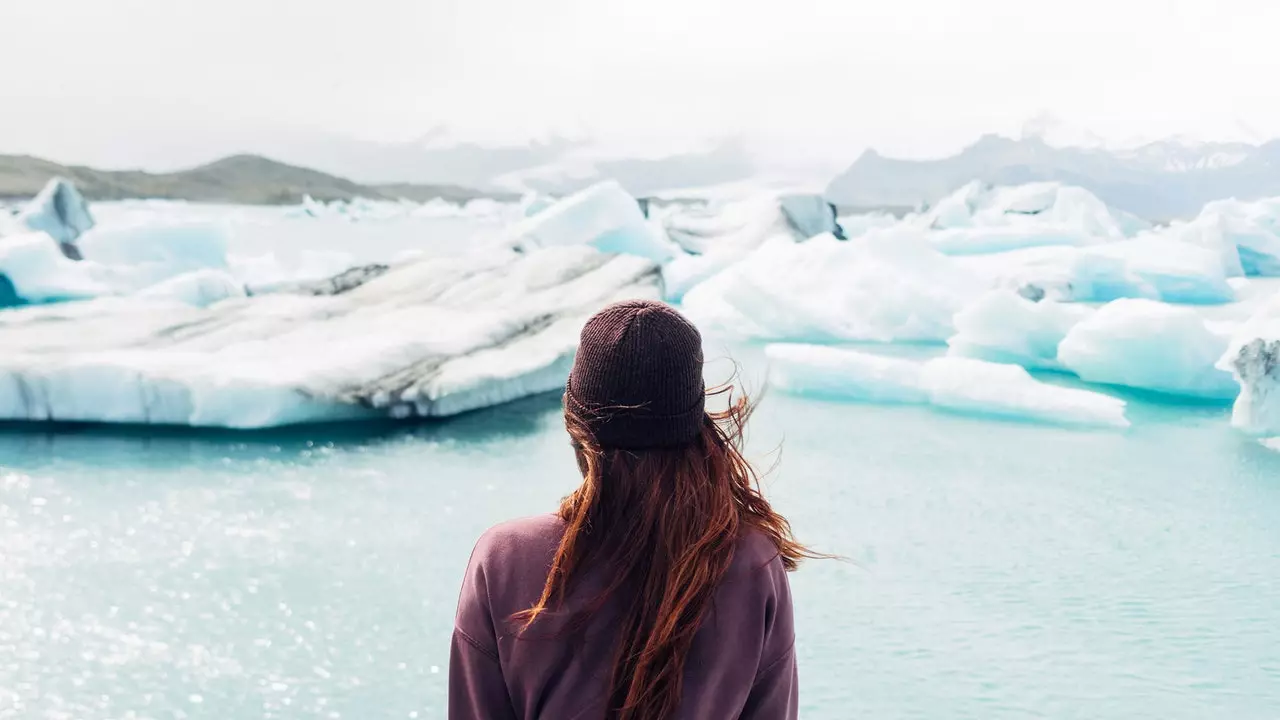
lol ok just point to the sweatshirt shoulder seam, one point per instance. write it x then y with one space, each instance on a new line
476 644
785 654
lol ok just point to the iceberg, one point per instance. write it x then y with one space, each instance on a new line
810 215
1254 229
1149 346
718 235
34 269
886 287
116 261
1208 231
59 211
603 216
1156 268
429 338
957 384
1253 359
1065 213
1002 326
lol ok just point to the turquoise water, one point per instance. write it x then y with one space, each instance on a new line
999 570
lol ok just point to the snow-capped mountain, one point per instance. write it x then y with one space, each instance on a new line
1158 180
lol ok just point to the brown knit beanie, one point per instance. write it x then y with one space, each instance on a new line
637 377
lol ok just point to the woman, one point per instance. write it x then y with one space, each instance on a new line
659 589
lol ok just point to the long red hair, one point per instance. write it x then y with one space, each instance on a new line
664 524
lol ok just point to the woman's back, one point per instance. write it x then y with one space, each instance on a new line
741 663
658 590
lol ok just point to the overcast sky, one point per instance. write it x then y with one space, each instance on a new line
108 81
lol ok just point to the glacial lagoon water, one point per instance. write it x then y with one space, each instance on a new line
997 570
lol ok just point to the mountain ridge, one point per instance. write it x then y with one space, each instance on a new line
1159 181
243 179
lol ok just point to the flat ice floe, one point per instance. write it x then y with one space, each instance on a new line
957 384
429 338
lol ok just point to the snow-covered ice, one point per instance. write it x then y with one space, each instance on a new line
433 337
1002 326
1150 346
957 384
884 287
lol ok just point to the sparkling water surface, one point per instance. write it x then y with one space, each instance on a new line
997 570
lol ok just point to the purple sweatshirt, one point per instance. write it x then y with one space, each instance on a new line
742 663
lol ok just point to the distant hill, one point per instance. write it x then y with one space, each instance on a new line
241 179
1158 181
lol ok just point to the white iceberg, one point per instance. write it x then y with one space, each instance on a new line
1152 267
34 269
1254 229
1002 326
719 234
59 210
116 261
1210 232
957 384
430 338
1042 213
1150 346
603 216
885 287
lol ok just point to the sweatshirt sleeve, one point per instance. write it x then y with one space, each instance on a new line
477 689
775 694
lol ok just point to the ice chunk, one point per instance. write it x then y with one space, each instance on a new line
116 261
1254 228
59 210
159 248
886 287
1209 232
740 223
1150 267
1044 211
198 288
810 215
1151 346
718 235
958 384
855 226
35 270
823 371
432 337
975 241
1253 358
1003 326
603 216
